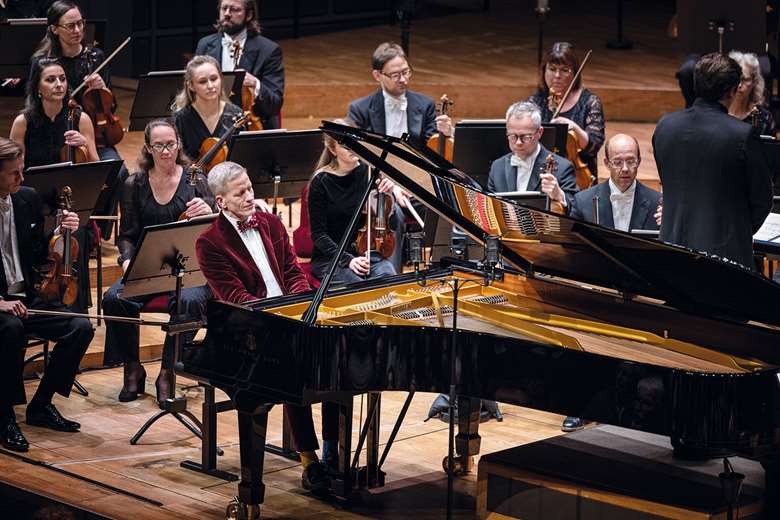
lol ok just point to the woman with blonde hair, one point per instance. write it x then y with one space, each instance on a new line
749 104
201 108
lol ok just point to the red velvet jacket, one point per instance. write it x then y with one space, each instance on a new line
230 270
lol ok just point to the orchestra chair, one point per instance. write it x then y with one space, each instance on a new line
302 242
34 341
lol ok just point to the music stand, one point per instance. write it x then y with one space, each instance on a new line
280 163
164 262
157 90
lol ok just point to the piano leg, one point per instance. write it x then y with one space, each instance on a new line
252 428
373 477
467 441
343 487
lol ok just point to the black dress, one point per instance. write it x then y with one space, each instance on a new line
193 131
588 113
44 138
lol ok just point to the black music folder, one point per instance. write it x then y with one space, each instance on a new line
157 90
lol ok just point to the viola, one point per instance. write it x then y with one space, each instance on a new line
442 144
375 235
60 284
100 105
247 93
74 154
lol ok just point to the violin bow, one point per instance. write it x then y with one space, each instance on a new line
573 81
101 66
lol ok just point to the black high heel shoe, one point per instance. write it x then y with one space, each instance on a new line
134 382
165 385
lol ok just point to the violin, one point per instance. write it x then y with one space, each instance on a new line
247 93
555 101
60 284
375 235
553 205
100 104
440 143
74 154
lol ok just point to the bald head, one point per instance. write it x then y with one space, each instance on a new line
622 159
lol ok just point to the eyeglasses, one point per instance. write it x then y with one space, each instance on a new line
523 138
395 76
231 9
619 163
160 148
563 71
73 26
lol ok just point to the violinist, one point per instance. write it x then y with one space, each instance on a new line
23 247
237 23
582 111
749 104
335 191
524 167
202 108
157 194
42 127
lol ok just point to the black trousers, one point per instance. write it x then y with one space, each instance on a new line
302 425
72 337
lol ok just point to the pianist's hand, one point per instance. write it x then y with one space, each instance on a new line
360 265
14 308
659 213
197 207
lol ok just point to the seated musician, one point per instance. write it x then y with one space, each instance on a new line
748 103
246 255
582 110
23 248
260 57
335 191
523 168
42 127
202 108
159 193
624 202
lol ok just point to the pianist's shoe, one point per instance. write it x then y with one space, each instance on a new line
11 436
572 424
47 416
315 477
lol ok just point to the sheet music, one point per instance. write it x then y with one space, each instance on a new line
770 229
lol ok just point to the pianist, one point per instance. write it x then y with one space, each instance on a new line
246 255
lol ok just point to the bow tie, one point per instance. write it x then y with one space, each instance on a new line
396 103
250 223
517 162
625 196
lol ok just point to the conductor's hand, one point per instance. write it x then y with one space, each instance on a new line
14 308
197 207
551 188
70 220
360 265
659 214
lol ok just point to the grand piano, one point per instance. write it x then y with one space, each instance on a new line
578 319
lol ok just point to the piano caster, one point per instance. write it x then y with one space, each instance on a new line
458 467
237 510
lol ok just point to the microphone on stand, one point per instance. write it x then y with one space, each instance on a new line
492 257
415 241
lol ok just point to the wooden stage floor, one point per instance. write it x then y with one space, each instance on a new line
416 483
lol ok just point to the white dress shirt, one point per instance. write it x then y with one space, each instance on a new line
395 115
228 62
9 245
254 244
622 204
524 168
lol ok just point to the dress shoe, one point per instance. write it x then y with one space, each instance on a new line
134 382
315 477
572 424
165 385
47 416
11 437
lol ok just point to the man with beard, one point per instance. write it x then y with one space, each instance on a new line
238 28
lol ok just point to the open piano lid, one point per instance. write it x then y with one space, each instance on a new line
537 241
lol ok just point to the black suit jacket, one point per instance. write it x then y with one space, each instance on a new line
263 58
642 214
368 113
717 183
503 176
32 241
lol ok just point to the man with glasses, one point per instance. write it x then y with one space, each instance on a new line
524 167
623 202
394 109
238 27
